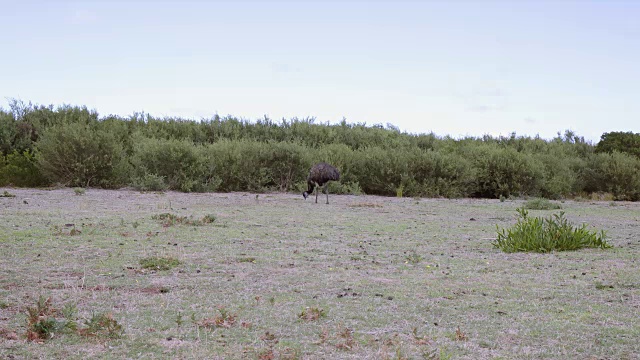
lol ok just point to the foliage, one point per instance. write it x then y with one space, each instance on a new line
76 154
43 323
625 142
21 170
541 204
74 146
544 235
102 325
504 171
178 162
149 182
615 173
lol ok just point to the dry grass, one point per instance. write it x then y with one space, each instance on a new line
281 278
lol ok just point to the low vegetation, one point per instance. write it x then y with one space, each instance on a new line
541 204
553 233
7 194
46 322
159 263
169 219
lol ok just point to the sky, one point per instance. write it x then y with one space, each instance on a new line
457 68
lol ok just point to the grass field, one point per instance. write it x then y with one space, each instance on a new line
276 277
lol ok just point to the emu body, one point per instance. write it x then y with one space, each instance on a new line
320 175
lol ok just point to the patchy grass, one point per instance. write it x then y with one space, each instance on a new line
169 219
365 205
282 279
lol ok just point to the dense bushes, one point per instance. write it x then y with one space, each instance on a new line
626 142
75 154
73 146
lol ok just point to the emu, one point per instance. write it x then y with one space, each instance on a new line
319 175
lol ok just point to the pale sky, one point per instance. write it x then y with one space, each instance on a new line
450 67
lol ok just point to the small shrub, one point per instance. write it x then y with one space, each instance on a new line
79 191
209 218
159 263
149 182
553 233
102 325
78 154
311 314
7 194
224 319
413 257
42 323
21 170
541 204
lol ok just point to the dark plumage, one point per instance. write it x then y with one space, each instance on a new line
319 175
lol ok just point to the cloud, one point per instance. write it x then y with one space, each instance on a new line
281 68
485 107
485 99
83 16
489 92
479 108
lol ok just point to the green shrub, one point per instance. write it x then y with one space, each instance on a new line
21 170
247 165
615 173
626 142
159 263
553 233
77 155
42 321
436 174
560 174
176 163
102 325
541 204
149 182
504 171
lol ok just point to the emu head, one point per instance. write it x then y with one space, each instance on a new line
305 195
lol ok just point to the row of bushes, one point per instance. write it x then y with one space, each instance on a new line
73 146
76 155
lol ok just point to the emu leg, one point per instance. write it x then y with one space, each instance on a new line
326 191
317 194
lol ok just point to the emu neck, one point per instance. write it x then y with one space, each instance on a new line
310 186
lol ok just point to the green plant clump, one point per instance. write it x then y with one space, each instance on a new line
544 235
541 204
159 263
102 325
